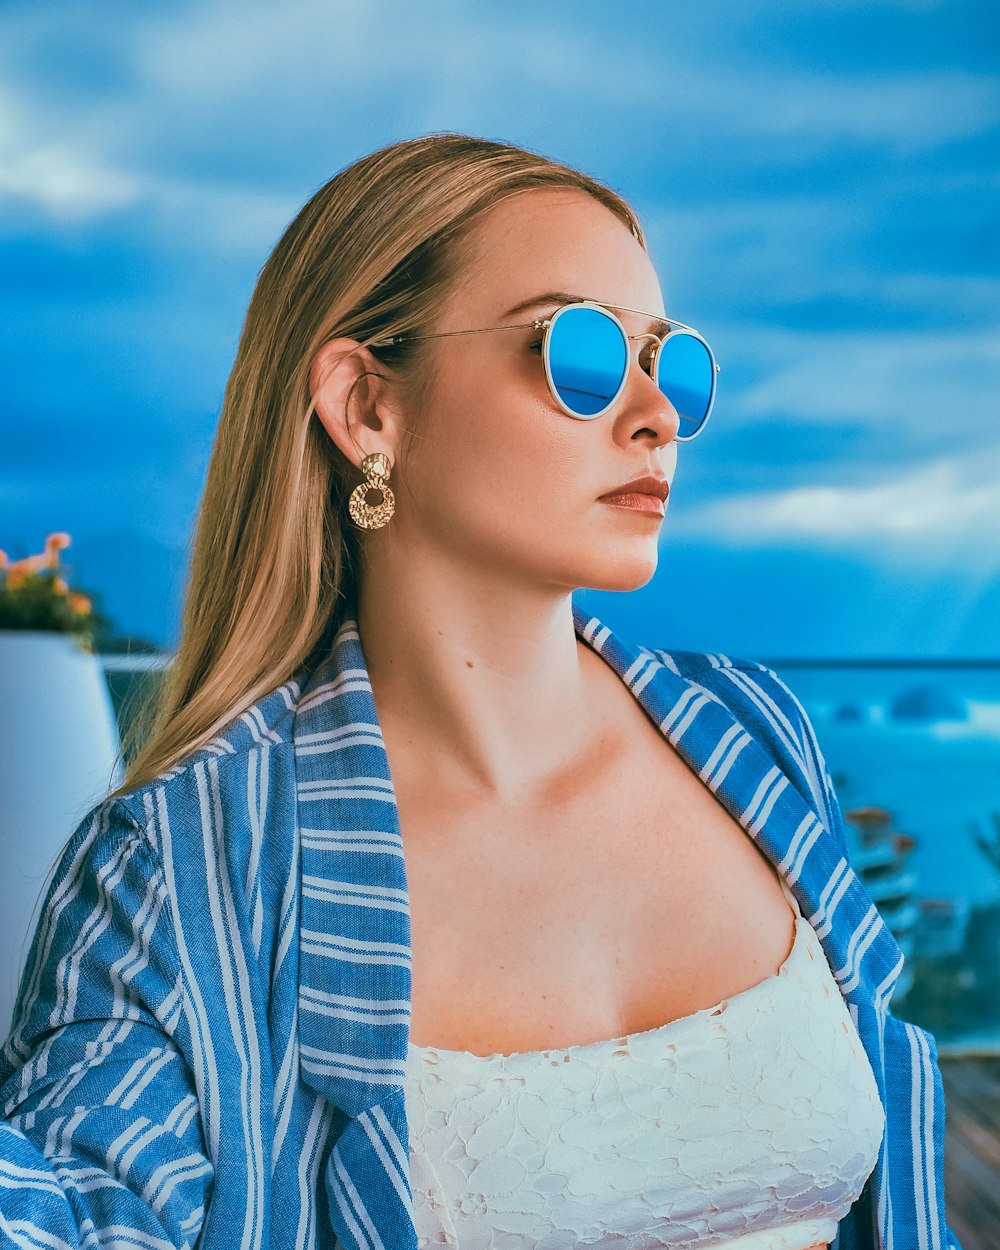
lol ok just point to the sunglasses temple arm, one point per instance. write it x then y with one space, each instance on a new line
446 334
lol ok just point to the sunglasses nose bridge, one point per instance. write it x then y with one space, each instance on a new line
652 355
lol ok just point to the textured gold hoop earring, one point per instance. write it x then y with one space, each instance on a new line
371 516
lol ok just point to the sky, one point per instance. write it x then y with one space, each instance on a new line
817 182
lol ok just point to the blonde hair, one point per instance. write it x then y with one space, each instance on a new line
274 554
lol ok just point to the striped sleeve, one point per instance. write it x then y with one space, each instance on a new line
100 1134
914 1213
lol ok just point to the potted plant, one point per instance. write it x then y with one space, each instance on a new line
59 741
35 596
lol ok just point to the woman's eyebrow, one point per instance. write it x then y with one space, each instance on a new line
550 297
655 325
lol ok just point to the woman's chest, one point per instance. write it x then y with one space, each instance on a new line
632 901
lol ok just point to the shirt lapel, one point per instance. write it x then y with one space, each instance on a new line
354 947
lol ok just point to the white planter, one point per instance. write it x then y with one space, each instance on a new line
58 743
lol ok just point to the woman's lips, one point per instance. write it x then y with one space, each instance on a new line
638 503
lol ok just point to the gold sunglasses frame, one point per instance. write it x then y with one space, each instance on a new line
546 324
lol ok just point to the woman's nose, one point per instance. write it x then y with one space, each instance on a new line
667 415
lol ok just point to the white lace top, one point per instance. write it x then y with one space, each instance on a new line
751 1125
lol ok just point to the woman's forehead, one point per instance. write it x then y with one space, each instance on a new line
545 242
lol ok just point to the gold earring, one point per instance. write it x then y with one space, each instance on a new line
371 516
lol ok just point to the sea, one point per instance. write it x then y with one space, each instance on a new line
922 741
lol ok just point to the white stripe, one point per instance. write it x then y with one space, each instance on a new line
203 1048
735 750
236 992
67 974
369 737
64 894
779 722
353 887
928 1174
373 1239
159 1188
874 930
332 950
652 668
308 788
177 1114
916 1072
143 1063
335 791
760 820
362 1063
308 1002
347 679
803 858
12 1176
316 1134
355 900
30 1237
679 728
392 1163
883 991
720 749
125 1161
820 920
773 777
257 778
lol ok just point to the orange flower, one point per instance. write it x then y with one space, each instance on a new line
3 559
79 603
59 586
16 576
53 545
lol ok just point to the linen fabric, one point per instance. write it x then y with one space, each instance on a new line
210 1038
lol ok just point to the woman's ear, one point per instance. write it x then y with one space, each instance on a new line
348 387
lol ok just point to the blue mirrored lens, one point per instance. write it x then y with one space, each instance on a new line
588 358
686 375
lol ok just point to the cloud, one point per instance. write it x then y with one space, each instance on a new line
907 112
65 184
40 169
920 387
940 515
243 88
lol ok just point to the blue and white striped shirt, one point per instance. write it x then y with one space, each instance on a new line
210 1038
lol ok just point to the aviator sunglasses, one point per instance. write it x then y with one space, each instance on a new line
585 349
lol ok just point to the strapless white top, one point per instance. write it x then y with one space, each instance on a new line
751 1125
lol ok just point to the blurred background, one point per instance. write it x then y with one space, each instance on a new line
818 183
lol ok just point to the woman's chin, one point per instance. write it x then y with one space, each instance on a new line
623 574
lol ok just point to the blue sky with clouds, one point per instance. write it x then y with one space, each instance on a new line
819 188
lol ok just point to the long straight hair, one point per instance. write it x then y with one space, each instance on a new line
274 555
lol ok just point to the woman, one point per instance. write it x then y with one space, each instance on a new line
589 1009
